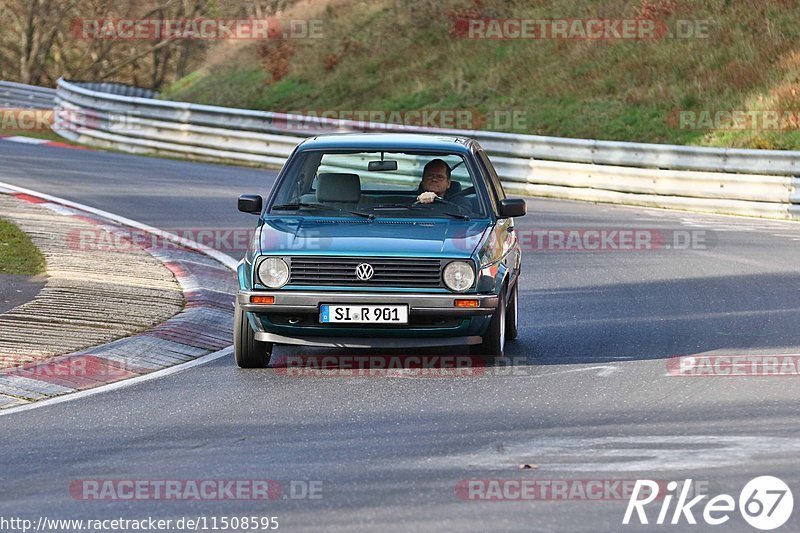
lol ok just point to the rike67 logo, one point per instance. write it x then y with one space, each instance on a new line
765 503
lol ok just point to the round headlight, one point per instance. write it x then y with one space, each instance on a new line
273 272
459 276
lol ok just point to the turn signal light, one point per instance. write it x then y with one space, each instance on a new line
262 300
466 303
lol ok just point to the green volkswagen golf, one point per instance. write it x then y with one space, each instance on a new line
379 241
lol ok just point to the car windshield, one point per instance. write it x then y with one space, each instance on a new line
379 184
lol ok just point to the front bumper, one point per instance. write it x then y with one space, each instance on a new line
418 303
464 324
366 342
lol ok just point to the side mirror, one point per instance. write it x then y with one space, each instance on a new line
251 203
512 207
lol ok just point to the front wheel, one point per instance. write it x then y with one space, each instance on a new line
247 351
494 341
512 315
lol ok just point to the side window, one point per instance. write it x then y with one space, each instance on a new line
495 180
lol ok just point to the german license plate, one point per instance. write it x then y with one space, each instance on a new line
363 314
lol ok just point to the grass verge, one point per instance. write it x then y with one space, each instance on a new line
18 255
388 56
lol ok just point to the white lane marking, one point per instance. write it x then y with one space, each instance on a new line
604 371
500 371
58 208
760 226
121 384
225 259
629 454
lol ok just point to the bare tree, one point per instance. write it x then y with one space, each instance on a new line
34 26
42 39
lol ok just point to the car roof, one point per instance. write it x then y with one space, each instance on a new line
388 142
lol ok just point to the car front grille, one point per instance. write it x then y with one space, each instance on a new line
388 272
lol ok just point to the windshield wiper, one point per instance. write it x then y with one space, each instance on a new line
299 205
457 215
413 207
394 206
307 205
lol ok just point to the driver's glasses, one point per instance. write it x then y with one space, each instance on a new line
435 177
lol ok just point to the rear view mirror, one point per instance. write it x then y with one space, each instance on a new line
512 207
251 203
379 166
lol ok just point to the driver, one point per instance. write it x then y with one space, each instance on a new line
435 181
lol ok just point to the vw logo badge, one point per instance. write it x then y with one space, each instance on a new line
364 271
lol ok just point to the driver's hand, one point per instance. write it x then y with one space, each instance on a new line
427 197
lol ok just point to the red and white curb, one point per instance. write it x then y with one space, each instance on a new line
200 333
40 142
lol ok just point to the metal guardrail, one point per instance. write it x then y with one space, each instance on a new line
21 96
121 89
722 180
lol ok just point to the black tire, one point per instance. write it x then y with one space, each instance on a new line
247 351
493 344
512 315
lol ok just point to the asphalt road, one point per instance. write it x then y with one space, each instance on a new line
16 290
588 396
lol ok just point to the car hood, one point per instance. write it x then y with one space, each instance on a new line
393 237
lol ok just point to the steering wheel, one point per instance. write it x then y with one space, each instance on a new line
438 200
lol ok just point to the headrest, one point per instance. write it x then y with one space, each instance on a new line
338 187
